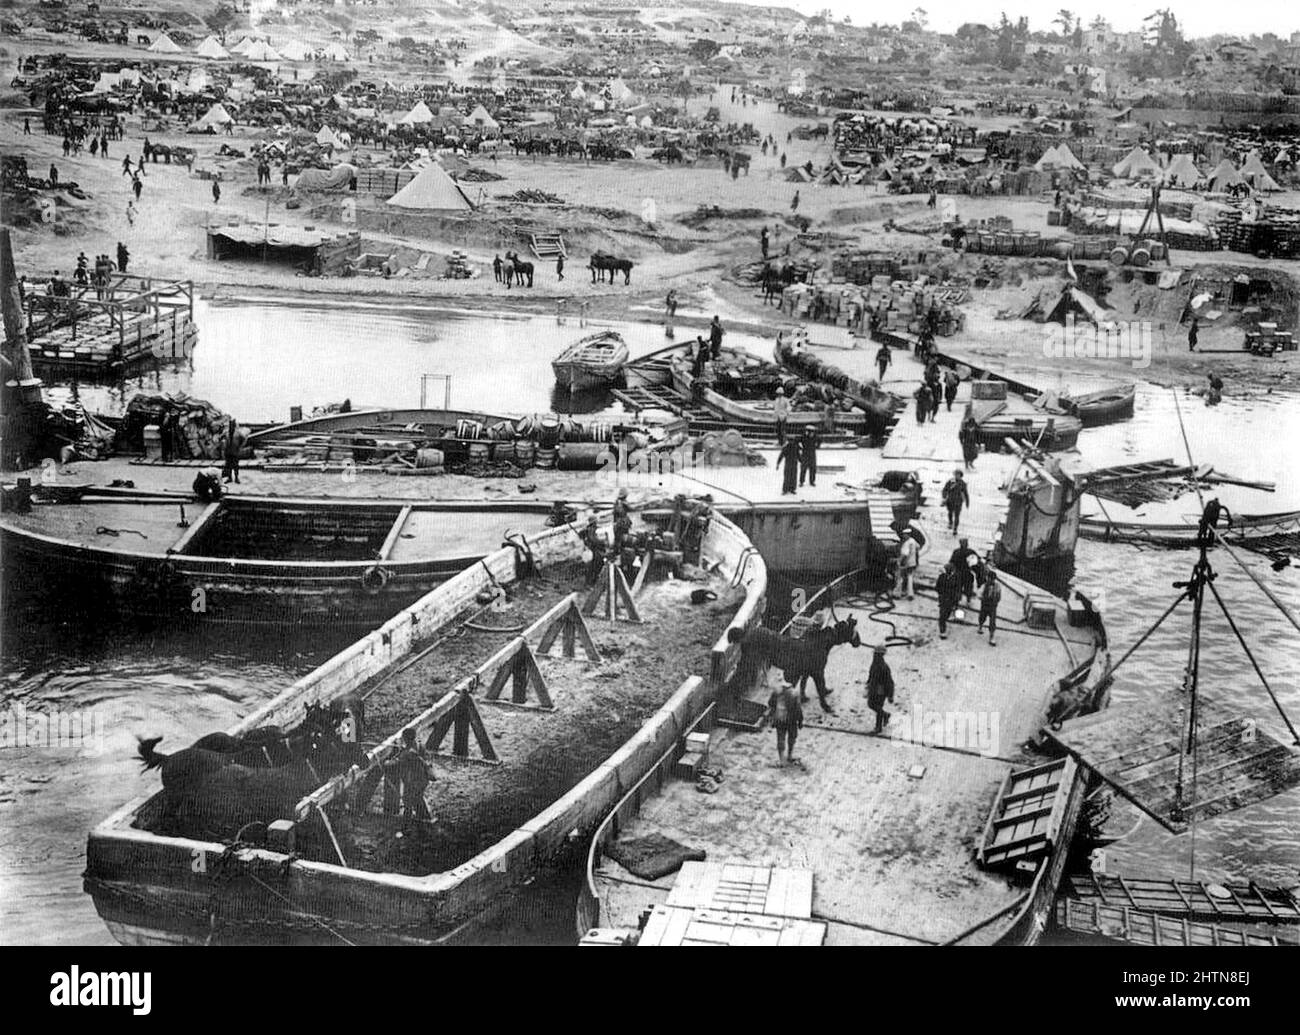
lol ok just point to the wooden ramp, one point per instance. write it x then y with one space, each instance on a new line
1192 899
1027 813
1139 750
933 440
736 904
547 246
1116 923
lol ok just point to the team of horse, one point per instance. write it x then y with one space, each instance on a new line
515 269
221 783
798 659
602 263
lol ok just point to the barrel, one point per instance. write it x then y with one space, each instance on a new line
425 458
580 456
479 451
503 452
1141 256
1002 243
1059 249
599 431
525 451
546 457
549 433
1156 248
1031 242
466 428
295 414
1119 255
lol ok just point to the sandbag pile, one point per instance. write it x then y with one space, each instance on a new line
201 428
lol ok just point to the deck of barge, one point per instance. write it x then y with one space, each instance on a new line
542 753
892 855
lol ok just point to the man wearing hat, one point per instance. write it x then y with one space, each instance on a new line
592 541
990 597
207 485
880 687
955 496
781 409
961 561
808 455
948 587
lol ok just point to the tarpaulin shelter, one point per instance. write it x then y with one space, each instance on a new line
432 190
1076 302
337 179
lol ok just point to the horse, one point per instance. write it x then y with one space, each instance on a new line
799 659
205 794
602 263
515 269
272 745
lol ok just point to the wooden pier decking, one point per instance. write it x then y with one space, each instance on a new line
138 320
1190 899
1099 922
886 823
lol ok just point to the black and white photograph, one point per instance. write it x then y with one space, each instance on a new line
549 473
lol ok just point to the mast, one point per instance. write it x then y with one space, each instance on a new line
18 361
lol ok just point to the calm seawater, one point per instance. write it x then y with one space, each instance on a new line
256 360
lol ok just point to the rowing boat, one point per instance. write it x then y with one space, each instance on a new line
528 749
1246 530
591 362
249 559
1101 407
429 423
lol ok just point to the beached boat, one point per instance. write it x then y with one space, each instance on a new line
943 830
1101 407
880 404
655 368
1253 531
343 868
591 362
430 423
248 559
757 411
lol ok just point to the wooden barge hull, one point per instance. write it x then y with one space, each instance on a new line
172 584
151 889
730 409
357 421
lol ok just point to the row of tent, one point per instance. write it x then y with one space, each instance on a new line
1181 171
253 50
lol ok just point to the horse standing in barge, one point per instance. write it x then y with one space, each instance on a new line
799 659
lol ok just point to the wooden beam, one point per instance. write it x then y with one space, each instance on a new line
199 524
390 541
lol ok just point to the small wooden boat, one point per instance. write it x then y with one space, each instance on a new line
248 559
591 362
1101 407
470 685
1051 432
655 368
1252 531
756 411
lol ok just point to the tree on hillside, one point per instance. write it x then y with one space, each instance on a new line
704 49
222 20
1010 48
1065 19
921 17
365 38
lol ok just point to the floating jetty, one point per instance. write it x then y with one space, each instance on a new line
528 753
137 320
944 830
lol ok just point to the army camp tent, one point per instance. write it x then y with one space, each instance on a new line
295 51
432 190
480 118
418 115
1253 171
164 45
619 91
326 136
335 52
262 51
242 46
1225 175
1065 158
211 48
1182 172
1077 303
577 93
1136 164
216 118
